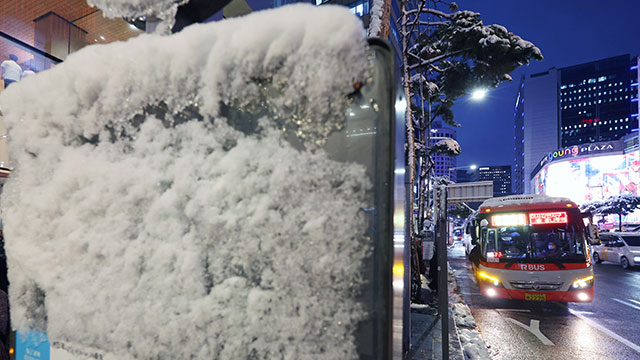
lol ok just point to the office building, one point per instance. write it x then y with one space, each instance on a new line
444 164
598 100
518 141
501 177
536 124
581 104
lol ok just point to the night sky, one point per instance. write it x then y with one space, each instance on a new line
568 32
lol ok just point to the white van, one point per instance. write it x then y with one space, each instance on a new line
618 247
467 239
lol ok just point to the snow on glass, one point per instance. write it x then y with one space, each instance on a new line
142 220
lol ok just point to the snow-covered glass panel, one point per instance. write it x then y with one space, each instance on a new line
220 193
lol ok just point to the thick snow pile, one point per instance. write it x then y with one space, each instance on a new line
141 220
162 10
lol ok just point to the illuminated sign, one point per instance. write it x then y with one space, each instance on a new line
508 220
584 149
579 150
590 121
556 217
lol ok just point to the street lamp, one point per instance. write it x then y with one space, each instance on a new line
478 94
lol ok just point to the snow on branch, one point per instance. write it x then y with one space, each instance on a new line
447 146
377 13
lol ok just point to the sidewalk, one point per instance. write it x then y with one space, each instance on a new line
465 341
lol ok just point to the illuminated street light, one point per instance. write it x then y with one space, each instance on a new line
478 94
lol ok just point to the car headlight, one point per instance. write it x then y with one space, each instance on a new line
636 259
584 283
483 276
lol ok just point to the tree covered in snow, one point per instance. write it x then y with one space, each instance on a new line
446 53
455 52
620 205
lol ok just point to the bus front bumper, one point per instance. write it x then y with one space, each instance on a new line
585 295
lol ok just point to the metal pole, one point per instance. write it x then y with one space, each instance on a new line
443 286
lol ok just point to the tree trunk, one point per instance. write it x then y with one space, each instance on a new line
620 222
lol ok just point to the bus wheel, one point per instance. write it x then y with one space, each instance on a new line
596 258
624 262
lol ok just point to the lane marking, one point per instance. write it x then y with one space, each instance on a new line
534 328
635 301
585 312
605 330
518 310
626 303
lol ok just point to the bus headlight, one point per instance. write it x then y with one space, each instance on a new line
636 259
483 276
584 283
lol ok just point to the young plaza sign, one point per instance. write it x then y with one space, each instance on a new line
584 149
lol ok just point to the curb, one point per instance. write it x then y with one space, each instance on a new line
469 336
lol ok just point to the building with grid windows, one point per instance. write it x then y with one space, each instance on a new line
598 100
501 177
581 104
444 164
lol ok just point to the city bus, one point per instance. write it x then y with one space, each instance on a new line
533 247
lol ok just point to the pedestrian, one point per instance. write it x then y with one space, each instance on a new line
11 71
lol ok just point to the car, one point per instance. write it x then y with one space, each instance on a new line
618 247
457 233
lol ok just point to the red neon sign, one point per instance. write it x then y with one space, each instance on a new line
556 217
590 121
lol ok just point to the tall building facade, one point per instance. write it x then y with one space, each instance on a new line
518 141
444 164
581 104
501 177
538 118
598 100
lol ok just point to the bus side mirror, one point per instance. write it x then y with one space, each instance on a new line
594 237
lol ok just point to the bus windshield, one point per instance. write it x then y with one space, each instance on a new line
557 242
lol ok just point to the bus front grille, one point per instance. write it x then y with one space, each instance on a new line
536 285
